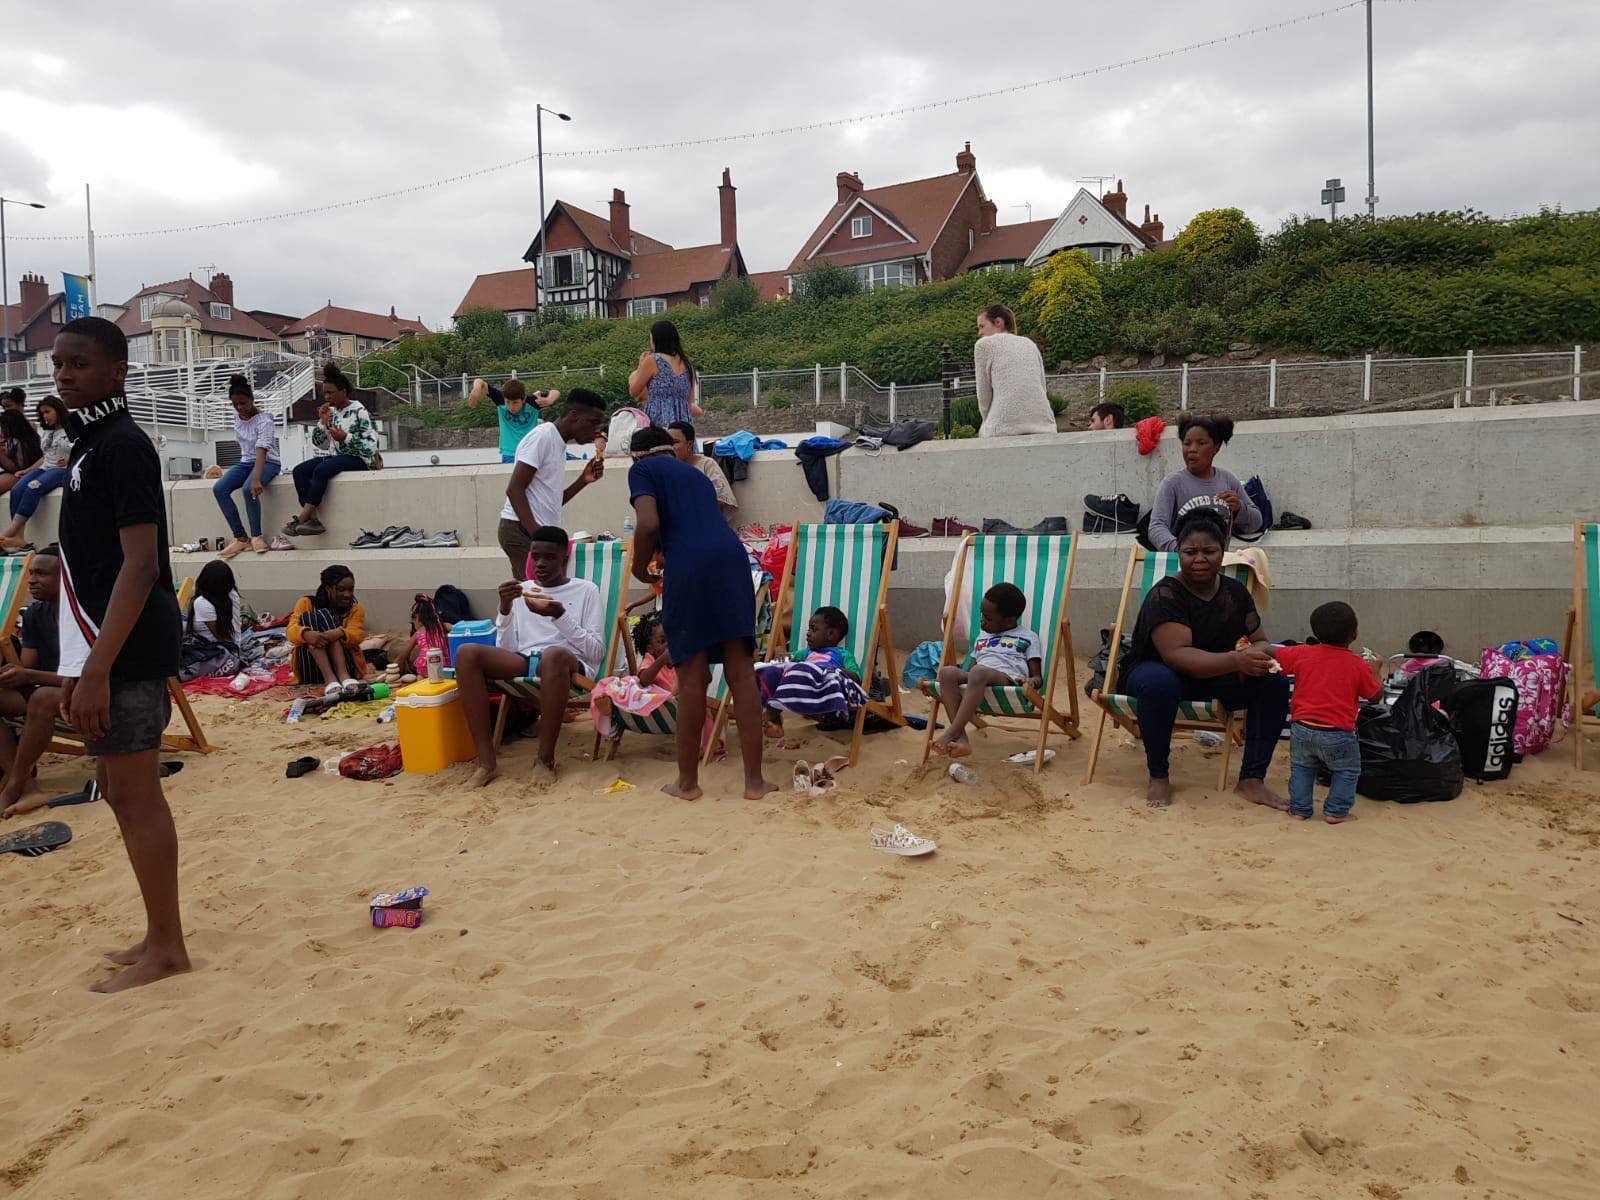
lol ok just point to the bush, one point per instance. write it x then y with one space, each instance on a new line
1064 308
826 281
1058 404
964 411
733 296
1220 235
1139 399
962 431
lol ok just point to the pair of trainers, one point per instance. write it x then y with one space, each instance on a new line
295 527
403 537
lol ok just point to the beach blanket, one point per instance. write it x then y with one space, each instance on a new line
627 693
809 689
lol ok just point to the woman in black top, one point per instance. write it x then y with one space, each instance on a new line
1184 648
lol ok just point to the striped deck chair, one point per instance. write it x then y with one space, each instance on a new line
848 567
1042 568
13 594
67 740
1145 568
1583 633
606 565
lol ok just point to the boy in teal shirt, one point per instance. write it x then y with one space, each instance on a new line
517 416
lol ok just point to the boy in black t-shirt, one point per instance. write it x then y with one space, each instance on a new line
120 630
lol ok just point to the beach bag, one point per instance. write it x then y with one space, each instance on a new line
1256 492
1540 680
773 556
922 663
1409 751
625 422
1485 716
1109 514
452 604
1097 665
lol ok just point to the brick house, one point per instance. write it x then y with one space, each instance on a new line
515 293
35 319
597 266
1100 228
224 331
347 332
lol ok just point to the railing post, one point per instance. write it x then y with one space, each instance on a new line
463 388
1102 383
947 380
1577 372
1468 387
842 372
892 412
1272 383
1183 389
602 370
817 385
1366 380
755 387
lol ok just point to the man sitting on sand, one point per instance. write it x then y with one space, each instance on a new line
33 690
550 629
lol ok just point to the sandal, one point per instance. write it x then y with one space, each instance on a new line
301 766
802 776
903 842
822 775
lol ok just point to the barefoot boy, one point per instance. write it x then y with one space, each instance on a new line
119 628
548 629
1004 655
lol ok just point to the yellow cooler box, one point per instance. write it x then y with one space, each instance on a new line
433 727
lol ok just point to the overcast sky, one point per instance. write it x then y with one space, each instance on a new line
180 112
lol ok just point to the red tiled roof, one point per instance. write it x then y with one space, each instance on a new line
597 232
240 325
505 291
271 320
669 272
21 321
1007 243
770 284
920 206
330 318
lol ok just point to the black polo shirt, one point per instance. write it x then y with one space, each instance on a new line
114 481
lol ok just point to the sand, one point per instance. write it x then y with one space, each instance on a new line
627 996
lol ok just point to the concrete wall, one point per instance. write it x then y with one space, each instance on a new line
1458 521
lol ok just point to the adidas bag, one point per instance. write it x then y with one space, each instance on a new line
1485 715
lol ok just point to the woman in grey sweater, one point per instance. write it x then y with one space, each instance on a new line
1010 376
1200 484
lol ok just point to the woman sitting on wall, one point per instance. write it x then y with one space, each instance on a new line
1009 372
1200 485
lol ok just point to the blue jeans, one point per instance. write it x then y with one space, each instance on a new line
237 478
311 477
25 499
1312 749
1159 689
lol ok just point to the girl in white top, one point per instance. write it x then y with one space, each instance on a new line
1009 372
217 613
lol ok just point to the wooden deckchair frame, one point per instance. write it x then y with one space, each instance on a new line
1576 647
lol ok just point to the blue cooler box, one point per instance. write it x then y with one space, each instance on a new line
468 633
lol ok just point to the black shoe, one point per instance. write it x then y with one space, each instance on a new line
1289 520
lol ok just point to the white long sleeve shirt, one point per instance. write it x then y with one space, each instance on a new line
581 628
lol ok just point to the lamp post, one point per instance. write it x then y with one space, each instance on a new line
1372 176
538 123
5 281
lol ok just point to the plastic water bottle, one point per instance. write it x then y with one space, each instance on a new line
386 716
296 710
962 773
627 528
241 681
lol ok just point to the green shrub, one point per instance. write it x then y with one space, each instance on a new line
1139 398
1058 404
1220 235
964 411
734 295
1064 308
963 431
779 401
826 281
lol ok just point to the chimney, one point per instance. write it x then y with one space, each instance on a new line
728 208
849 184
1116 202
966 160
392 315
621 234
988 212
222 287
1152 230
35 293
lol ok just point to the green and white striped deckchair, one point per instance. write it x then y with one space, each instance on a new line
846 566
1042 568
606 565
13 594
1583 632
1145 569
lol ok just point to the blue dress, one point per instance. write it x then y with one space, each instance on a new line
707 597
667 396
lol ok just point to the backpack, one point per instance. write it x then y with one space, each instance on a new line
1256 492
1540 680
452 604
1485 716
1109 514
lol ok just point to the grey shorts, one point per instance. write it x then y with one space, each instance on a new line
516 544
140 710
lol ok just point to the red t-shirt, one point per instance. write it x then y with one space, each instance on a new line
1328 680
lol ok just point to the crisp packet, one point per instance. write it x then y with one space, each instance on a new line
402 909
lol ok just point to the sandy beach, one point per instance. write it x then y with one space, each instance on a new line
626 996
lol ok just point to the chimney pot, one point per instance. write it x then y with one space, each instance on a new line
32 296
1116 202
966 160
849 183
222 287
621 232
727 209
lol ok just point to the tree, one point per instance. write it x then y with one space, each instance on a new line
734 295
1064 308
827 281
1220 235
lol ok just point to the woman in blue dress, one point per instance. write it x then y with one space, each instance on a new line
708 601
663 382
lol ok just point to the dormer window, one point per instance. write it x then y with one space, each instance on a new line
220 311
860 227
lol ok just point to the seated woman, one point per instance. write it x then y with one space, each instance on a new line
345 439
326 629
55 449
20 451
258 465
1201 485
826 682
214 626
1009 373
1198 637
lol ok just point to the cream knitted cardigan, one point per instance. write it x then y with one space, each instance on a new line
1011 393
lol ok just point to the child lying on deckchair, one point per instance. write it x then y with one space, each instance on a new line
640 694
827 681
1005 654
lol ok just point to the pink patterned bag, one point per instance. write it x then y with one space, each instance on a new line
1541 688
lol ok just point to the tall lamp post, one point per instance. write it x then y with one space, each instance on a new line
538 122
5 280
1372 175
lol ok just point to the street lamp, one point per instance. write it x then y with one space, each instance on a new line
538 121
5 280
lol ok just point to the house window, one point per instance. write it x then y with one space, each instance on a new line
971 238
146 303
173 352
646 308
222 312
563 269
883 275
705 301
860 227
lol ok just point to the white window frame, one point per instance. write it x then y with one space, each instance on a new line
899 273
647 306
146 303
221 311
575 257
172 346
861 226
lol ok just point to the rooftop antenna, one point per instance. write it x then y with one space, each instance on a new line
1025 204
1099 182
209 269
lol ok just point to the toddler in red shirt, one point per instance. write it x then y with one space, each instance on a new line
1329 682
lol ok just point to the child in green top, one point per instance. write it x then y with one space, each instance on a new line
825 682
518 412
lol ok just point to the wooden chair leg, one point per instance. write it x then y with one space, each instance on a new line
933 718
500 720
197 738
860 733
1227 752
1094 750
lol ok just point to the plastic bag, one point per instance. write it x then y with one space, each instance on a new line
1409 751
777 550
922 663
375 762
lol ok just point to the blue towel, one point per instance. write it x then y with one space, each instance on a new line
744 444
853 512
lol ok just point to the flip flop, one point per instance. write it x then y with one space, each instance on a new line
301 766
90 793
1026 757
903 842
36 839
170 767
